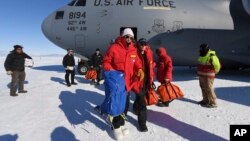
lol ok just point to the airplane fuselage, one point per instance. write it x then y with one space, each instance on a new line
180 25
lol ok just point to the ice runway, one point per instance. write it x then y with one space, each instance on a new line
52 111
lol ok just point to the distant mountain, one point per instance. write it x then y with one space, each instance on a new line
49 55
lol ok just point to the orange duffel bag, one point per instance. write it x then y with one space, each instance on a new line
91 74
151 97
169 92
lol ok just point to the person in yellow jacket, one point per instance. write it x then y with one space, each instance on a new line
208 66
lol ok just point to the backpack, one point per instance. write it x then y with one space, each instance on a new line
115 93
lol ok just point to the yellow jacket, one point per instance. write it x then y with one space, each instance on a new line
209 65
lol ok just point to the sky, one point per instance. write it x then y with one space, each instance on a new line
21 24
51 111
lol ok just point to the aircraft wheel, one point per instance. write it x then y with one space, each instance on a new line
82 69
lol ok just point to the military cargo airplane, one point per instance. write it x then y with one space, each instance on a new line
179 25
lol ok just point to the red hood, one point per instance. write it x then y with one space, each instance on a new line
163 51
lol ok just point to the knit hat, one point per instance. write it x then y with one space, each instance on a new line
142 41
128 31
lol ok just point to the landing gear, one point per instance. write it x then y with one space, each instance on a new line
82 67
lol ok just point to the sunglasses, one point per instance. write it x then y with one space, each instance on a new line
128 37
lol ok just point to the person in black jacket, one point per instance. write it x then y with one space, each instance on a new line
69 65
14 66
96 63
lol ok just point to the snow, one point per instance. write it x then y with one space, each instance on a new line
52 111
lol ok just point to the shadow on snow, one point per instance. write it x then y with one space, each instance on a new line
62 134
238 95
185 130
56 68
59 80
78 108
8 137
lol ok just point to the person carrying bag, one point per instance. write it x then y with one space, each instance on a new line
169 91
164 67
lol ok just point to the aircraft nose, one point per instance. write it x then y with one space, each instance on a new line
46 26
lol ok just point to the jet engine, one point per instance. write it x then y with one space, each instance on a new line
246 5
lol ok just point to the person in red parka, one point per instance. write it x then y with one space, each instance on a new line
164 69
142 86
122 56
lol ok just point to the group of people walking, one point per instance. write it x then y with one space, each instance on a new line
134 62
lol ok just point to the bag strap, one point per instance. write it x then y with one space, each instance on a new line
173 89
167 90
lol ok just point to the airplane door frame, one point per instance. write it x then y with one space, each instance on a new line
80 42
134 29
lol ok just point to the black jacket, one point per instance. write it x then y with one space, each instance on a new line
15 61
68 60
96 60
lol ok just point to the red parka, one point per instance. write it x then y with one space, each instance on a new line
150 62
164 66
122 58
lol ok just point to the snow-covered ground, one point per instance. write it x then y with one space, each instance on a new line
52 111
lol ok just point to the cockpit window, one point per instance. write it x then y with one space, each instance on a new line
59 15
80 3
72 3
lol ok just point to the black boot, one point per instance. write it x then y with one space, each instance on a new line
143 128
22 91
73 83
13 94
